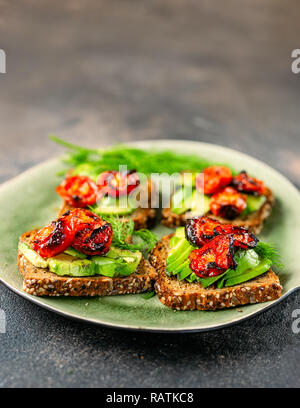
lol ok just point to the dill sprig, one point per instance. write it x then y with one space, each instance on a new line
268 251
143 161
125 237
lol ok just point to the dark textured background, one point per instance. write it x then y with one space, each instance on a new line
97 72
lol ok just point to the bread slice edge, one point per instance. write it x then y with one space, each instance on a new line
42 282
181 295
253 222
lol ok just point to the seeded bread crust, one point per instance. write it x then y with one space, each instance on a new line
142 217
42 282
181 295
253 222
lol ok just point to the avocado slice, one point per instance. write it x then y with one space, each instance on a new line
76 254
205 207
179 254
33 257
179 235
110 205
66 265
185 200
177 269
261 268
181 201
254 203
118 262
127 261
105 266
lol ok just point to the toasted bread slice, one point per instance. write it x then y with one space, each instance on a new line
42 282
253 222
181 295
142 217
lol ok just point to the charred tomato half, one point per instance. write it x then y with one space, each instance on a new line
250 185
78 191
54 238
213 179
93 236
228 203
117 184
200 230
213 258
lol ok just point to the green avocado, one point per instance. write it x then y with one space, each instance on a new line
258 270
179 235
127 261
178 255
117 262
185 200
66 265
72 252
105 266
110 205
33 257
196 201
182 201
254 203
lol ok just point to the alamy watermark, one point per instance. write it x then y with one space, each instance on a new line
296 322
2 62
296 63
145 191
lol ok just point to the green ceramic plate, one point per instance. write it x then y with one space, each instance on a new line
29 201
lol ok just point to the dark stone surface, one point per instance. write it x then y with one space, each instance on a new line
97 72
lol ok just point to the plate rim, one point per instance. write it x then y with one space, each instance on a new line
142 329
136 327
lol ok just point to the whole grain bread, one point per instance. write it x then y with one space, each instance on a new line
42 282
142 217
181 295
253 222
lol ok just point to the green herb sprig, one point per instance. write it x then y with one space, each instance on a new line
125 237
143 161
268 251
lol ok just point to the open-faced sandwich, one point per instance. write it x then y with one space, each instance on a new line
238 199
209 265
81 254
119 193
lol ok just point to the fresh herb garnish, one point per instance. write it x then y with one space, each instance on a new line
125 237
143 161
268 251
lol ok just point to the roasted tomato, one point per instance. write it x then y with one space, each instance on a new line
78 191
213 179
93 236
242 238
200 230
228 203
54 238
117 184
213 258
247 184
